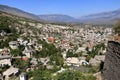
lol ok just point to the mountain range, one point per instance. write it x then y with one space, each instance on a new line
58 18
100 18
18 12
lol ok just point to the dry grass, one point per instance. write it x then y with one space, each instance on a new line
117 37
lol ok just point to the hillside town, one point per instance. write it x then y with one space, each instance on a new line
37 46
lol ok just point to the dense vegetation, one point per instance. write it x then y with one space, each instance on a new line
66 75
5 23
117 27
95 51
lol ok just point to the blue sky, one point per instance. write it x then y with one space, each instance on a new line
75 8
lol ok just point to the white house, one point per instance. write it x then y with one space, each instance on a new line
23 76
76 61
44 60
72 61
28 52
13 44
5 60
9 72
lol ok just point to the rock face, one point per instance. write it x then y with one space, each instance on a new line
111 69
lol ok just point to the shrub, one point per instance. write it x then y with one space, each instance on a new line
116 29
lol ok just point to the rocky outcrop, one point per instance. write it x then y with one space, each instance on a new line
111 69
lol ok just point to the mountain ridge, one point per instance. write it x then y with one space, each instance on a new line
18 12
104 17
109 17
58 18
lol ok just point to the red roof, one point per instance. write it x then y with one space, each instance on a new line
51 39
25 58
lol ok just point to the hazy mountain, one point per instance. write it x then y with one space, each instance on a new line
49 18
58 18
18 12
102 18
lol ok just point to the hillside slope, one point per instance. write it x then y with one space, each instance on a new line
103 18
58 18
18 12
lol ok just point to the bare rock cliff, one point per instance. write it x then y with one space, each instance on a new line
111 69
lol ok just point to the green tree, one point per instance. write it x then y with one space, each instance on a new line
21 64
40 74
69 53
48 49
58 59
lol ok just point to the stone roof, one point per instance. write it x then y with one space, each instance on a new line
5 57
11 71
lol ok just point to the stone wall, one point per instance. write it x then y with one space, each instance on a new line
111 69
